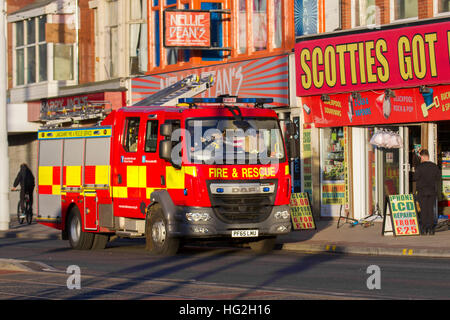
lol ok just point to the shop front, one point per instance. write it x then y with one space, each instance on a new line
378 84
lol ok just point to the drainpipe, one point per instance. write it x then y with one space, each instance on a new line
4 161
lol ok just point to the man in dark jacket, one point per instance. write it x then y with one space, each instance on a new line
427 176
25 179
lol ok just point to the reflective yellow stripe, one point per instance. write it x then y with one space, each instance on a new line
56 189
192 171
286 170
133 176
120 192
148 192
73 175
102 175
142 177
45 176
174 178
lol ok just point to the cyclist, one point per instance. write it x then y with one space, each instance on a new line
26 180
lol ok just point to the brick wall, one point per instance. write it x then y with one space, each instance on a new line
87 43
346 11
425 8
385 12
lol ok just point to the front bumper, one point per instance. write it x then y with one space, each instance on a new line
215 227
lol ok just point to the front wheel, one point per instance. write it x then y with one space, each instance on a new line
157 236
29 213
20 214
78 239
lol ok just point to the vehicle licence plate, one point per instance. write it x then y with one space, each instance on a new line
244 233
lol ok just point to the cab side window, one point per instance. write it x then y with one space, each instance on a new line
151 136
131 134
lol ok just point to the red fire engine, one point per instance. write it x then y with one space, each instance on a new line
167 174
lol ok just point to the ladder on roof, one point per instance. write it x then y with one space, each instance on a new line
185 88
90 109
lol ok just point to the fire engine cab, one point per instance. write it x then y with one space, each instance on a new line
168 174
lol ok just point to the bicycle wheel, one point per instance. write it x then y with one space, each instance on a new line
20 214
29 213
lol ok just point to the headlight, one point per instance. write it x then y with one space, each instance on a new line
282 215
197 216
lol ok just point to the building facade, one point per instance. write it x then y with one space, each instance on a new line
385 72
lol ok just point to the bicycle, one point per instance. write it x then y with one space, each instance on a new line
27 213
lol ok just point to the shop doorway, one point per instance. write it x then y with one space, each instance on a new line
391 169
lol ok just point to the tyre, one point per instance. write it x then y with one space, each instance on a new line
20 215
263 246
78 239
157 237
100 241
28 212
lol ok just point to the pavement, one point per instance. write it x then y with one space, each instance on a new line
327 238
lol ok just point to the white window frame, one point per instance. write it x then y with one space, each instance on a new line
355 18
143 34
25 46
436 13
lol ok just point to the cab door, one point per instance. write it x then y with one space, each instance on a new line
154 168
127 171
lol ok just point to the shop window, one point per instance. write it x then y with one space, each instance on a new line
131 134
334 178
30 51
138 36
151 136
405 9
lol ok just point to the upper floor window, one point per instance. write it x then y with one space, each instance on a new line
259 24
170 55
255 26
38 54
443 6
405 9
113 37
365 13
30 51
138 36
306 17
260 19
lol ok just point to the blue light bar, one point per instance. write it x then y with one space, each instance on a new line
225 100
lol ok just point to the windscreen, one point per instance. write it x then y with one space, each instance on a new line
231 141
